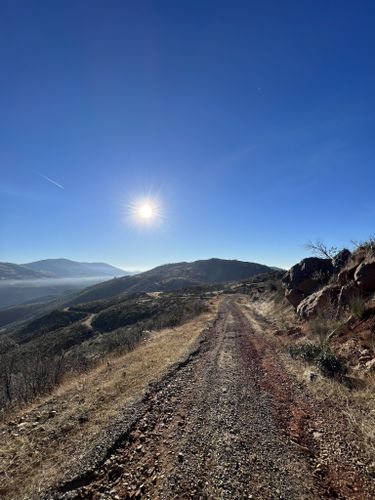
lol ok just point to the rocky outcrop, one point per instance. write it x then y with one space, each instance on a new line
319 301
315 284
341 259
345 275
334 297
347 293
305 278
364 276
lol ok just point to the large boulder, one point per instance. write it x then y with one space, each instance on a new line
301 275
318 302
305 278
364 276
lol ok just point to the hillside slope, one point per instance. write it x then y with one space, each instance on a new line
65 268
99 268
173 277
10 271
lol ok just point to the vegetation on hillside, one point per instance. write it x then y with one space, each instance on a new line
35 358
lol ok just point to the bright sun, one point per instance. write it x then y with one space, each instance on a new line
145 211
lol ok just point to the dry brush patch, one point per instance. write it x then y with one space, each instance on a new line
352 395
40 442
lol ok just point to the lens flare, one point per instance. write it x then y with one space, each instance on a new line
146 211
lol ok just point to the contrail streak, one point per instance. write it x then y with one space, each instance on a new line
52 181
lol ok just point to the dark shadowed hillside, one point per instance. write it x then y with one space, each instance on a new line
174 276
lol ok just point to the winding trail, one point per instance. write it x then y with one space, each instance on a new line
231 424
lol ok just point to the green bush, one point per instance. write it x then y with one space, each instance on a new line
327 361
308 352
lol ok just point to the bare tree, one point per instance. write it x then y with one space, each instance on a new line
320 249
7 366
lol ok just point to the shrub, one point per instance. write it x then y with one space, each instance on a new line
367 247
327 361
324 324
358 307
60 342
308 352
320 328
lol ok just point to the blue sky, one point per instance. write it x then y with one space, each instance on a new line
251 122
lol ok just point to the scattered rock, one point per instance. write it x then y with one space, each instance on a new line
310 376
370 365
317 435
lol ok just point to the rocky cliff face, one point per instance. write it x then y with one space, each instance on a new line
315 284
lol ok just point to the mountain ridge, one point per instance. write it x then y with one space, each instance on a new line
10 271
173 276
58 268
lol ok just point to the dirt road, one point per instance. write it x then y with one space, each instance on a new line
232 424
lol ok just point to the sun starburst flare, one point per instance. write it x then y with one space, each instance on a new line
146 211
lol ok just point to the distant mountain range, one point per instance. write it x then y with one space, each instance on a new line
173 276
58 268
10 271
164 278
28 300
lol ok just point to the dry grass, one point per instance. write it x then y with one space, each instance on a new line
357 404
35 456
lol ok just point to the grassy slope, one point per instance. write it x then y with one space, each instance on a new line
71 340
